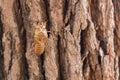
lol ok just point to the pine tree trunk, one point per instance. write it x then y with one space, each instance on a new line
83 40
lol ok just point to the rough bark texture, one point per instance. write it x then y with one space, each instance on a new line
83 42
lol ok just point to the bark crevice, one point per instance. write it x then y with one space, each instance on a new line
47 5
11 54
59 57
23 38
42 57
25 64
1 50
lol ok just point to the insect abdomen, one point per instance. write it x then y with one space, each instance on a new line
39 48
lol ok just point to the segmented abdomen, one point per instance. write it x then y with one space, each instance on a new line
39 48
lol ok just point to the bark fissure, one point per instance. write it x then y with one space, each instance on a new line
42 57
59 57
12 44
22 35
47 5
24 47
1 50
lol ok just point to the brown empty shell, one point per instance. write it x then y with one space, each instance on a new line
40 38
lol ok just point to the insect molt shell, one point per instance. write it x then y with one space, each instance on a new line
40 38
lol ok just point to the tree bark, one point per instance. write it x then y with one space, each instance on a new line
83 40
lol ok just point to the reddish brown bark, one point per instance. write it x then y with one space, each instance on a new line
83 40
